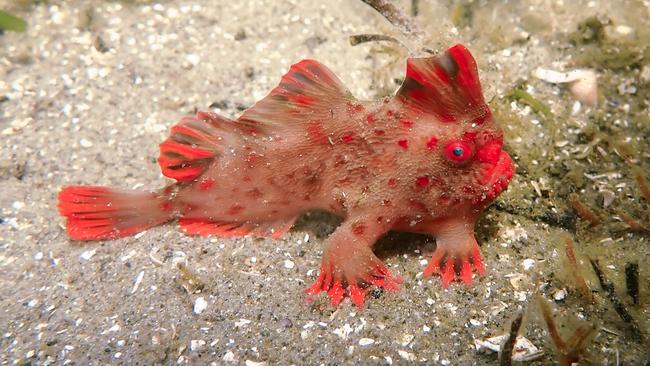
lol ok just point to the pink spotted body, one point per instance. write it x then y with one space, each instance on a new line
427 160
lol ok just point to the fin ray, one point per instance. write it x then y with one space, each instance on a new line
223 229
191 146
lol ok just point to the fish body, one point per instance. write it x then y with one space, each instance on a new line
428 159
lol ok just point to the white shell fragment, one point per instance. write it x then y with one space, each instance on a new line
524 349
363 342
583 83
88 254
199 305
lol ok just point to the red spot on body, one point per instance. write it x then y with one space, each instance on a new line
348 137
380 132
392 182
370 118
389 113
422 181
380 219
385 202
358 228
404 144
431 144
246 178
235 209
358 108
206 184
407 123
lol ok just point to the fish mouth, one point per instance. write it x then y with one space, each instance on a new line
499 178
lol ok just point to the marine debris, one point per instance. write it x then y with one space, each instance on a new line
583 83
574 269
584 211
620 308
632 281
574 350
505 358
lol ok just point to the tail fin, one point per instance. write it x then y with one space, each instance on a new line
102 213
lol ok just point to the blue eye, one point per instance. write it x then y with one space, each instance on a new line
458 151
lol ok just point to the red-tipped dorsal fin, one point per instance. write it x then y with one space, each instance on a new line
308 92
446 86
192 144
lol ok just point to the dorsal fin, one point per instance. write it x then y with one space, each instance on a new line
446 86
308 92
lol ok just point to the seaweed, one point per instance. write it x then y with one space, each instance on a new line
190 281
363 38
590 30
11 22
632 281
396 17
574 350
574 268
526 98
620 308
505 359
584 211
641 181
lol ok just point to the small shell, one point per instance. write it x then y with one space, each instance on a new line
583 83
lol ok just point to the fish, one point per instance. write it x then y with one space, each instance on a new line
428 159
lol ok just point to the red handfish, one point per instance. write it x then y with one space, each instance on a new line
428 160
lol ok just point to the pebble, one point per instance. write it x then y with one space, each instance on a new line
288 264
242 323
407 339
199 305
254 363
286 323
85 143
228 357
528 263
88 254
196 344
559 295
366 342
408 356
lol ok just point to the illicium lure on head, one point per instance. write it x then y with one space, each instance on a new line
428 160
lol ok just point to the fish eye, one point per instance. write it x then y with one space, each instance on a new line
459 151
